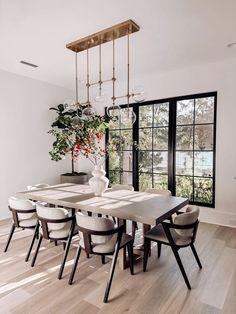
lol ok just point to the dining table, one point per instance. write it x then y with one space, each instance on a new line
142 207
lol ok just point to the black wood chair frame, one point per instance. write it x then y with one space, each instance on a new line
16 224
87 233
45 234
174 246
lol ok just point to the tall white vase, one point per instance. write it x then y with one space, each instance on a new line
98 183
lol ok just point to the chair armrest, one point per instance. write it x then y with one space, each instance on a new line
101 233
66 219
21 211
183 227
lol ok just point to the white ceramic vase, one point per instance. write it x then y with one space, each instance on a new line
98 183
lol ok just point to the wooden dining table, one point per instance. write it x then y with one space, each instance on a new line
146 208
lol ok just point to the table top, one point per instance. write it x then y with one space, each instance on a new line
131 205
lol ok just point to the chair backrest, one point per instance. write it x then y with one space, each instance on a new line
122 187
95 224
189 217
22 205
37 186
56 213
158 191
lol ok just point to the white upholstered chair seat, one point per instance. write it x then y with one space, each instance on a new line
122 187
61 233
109 246
157 233
31 222
21 204
158 191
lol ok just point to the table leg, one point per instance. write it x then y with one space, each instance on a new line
123 259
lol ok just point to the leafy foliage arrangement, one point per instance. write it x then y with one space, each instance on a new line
77 136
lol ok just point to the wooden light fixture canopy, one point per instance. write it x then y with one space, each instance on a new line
104 36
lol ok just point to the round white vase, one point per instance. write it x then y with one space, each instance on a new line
98 183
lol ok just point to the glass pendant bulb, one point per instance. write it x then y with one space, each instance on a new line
128 117
113 112
139 93
69 105
88 112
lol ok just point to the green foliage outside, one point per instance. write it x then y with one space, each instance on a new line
153 143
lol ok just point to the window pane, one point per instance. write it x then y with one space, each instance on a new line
145 116
160 138
184 137
145 181
126 118
114 177
204 110
145 161
126 178
184 187
160 182
114 135
203 190
160 162
185 111
161 114
145 139
184 163
203 137
116 123
126 161
127 137
203 164
114 161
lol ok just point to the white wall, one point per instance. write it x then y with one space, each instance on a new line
220 77
24 142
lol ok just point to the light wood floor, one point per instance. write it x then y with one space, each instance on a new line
160 290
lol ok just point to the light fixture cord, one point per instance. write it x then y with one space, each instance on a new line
88 102
76 83
113 72
100 70
128 70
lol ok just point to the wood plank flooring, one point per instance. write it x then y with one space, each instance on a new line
160 290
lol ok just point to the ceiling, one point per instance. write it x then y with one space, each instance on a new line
174 34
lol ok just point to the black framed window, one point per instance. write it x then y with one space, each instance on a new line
176 147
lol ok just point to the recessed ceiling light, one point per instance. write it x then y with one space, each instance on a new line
29 64
231 45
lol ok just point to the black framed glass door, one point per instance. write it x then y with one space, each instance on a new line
170 146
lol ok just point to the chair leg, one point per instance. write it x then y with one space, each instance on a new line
134 228
55 242
176 254
9 237
196 255
32 242
131 256
147 243
112 270
159 249
68 242
37 250
74 265
64 245
103 258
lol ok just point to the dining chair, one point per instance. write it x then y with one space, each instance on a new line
158 191
23 217
100 236
180 234
127 187
37 186
122 187
55 224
